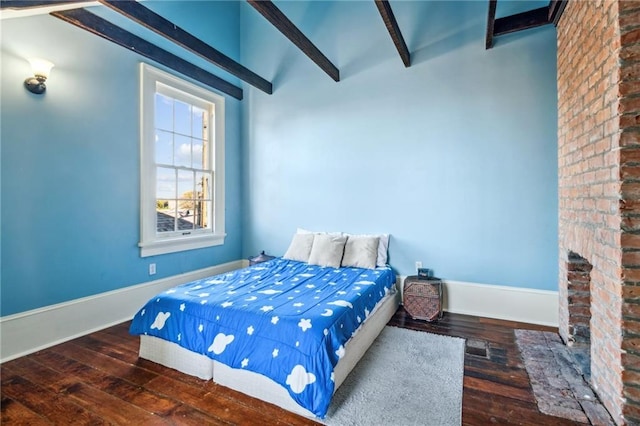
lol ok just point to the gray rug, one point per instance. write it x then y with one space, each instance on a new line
406 378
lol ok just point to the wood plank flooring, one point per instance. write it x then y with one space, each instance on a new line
99 379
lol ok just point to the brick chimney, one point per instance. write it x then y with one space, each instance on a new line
599 194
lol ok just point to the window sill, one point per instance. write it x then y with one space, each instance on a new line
154 248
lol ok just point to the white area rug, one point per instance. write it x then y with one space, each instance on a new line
406 378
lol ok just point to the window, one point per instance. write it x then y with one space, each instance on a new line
182 165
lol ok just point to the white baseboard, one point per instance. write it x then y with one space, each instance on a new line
501 302
30 331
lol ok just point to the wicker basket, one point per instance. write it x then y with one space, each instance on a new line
423 298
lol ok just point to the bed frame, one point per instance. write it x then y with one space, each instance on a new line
256 385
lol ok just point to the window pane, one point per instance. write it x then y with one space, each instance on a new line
201 214
185 184
182 117
198 122
164 147
198 158
163 112
185 223
165 183
203 186
165 199
165 215
182 151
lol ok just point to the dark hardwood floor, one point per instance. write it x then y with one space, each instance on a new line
99 379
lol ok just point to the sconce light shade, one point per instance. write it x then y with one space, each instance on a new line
41 69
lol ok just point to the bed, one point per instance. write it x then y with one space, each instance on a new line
285 331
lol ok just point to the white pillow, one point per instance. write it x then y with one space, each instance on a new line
306 231
383 247
361 251
300 247
383 250
327 250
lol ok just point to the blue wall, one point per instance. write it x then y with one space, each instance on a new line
455 156
70 162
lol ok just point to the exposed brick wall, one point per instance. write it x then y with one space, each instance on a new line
629 108
599 188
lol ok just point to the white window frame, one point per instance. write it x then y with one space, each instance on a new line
151 242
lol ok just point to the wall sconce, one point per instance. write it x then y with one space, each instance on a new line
41 69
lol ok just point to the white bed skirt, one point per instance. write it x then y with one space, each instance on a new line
254 384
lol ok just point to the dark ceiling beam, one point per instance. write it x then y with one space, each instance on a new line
521 21
394 30
105 29
154 22
29 4
556 9
491 19
278 19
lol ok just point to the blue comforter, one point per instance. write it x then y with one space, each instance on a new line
284 319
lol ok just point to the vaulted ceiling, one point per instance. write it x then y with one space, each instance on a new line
76 13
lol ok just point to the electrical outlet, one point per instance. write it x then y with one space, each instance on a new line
152 269
418 265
